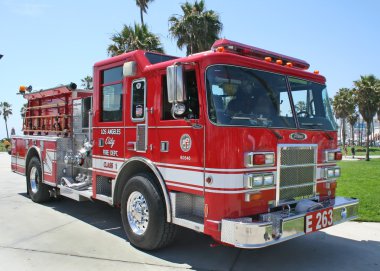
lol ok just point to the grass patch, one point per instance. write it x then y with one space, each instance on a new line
361 179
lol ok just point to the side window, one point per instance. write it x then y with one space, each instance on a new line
191 103
138 100
112 95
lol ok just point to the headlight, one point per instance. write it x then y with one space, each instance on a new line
258 180
331 173
337 172
330 156
269 158
252 181
268 179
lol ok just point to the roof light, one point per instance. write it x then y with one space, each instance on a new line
268 59
22 89
316 72
220 49
289 64
279 61
257 53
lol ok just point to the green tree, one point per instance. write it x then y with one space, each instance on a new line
6 111
344 106
352 120
143 5
133 38
197 29
87 82
23 110
367 96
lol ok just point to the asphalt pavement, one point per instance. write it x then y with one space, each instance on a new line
68 235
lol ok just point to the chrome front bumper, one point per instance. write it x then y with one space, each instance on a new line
244 233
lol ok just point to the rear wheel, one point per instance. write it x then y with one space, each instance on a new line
38 191
143 214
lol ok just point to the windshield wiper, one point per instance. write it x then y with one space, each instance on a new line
311 124
241 118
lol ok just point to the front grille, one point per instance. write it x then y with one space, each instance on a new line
297 172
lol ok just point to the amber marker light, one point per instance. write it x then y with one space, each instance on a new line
316 72
268 59
22 89
289 64
220 49
279 61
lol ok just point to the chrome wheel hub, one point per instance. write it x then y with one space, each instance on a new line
34 177
137 213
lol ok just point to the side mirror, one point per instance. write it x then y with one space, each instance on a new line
176 90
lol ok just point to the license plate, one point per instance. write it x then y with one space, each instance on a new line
318 220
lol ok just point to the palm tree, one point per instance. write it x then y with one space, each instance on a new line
87 82
367 96
197 29
143 5
352 119
6 110
344 106
133 38
23 110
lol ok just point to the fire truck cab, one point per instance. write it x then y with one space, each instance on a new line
238 143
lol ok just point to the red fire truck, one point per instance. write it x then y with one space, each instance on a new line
238 143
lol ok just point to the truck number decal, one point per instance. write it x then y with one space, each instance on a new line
318 220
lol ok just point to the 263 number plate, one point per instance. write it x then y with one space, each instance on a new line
318 220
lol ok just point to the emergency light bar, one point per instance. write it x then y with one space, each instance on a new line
224 45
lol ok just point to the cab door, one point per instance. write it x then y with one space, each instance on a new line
181 137
108 127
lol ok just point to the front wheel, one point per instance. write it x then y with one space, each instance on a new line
38 191
143 214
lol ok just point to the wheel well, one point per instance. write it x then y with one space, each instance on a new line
31 153
130 169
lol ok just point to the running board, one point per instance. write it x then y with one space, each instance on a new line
187 210
78 195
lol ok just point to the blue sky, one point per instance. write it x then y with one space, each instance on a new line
46 43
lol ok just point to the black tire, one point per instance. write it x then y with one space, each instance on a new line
157 233
37 190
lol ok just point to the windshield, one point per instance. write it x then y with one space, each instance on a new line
312 105
240 96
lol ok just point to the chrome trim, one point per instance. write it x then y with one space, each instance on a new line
137 212
44 138
34 179
157 173
244 233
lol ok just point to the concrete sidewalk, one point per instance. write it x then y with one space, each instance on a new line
68 235
359 157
